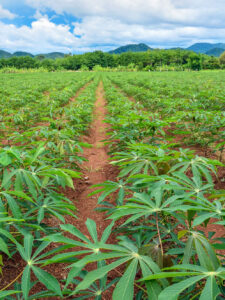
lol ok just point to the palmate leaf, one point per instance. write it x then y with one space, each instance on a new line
204 250
33 262
97 274
109 187
53 204
197 274
143 158
128 255
199 166
96 289
125 252
143 204
208 210
80 240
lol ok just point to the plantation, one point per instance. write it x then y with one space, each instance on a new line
112 185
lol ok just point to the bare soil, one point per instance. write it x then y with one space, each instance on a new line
94 169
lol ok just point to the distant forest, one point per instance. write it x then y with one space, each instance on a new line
175 59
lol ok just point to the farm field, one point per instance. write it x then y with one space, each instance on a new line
112 185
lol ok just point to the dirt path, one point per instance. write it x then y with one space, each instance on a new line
94 167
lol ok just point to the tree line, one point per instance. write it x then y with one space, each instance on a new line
176 59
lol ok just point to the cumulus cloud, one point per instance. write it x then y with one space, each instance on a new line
185 12
105 24
43 35
96 30
6 14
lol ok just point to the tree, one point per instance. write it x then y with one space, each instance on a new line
195 62
48 64
211 63
222 59
40 57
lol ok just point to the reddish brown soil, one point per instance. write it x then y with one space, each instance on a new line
94 167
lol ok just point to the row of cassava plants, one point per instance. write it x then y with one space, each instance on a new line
164 201
29 101
39 162
194 102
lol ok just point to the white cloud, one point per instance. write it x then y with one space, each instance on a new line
6 14
185 12
158 23
99 30
43 35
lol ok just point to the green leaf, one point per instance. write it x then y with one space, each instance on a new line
38 152
99 273
91 226
153 287
73 230
13 206
25 283
107 233
20 194
169 275
5 159
188 250
172 292
48 280
8 235
211 289
200 219
4 247
28 244
40 249
4 294
72 173
125 287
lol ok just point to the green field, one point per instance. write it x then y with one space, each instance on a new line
164 193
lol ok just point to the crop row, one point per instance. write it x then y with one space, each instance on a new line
38 162
35 101
192 106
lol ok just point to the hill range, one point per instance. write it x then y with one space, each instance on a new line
204 48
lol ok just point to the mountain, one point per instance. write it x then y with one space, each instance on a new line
215 52
205 47
22 53
54 55
131 48
176 48
4 54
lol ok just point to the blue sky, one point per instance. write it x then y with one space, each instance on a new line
77 26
